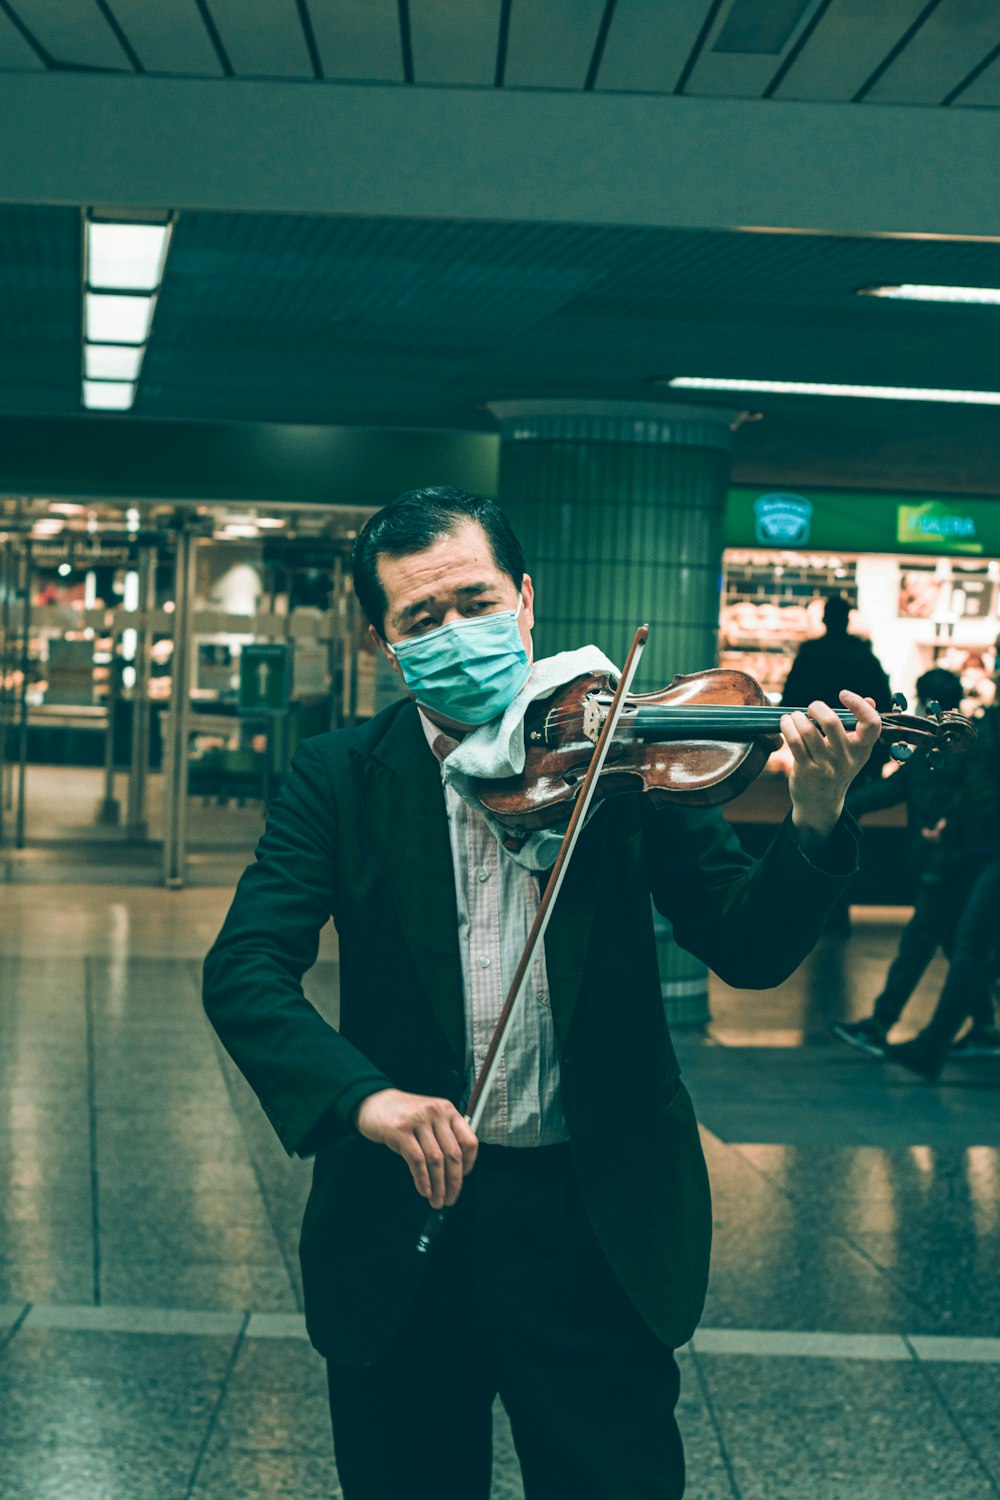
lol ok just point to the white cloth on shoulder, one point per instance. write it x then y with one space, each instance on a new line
497 749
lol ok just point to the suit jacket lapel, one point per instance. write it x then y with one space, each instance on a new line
400 790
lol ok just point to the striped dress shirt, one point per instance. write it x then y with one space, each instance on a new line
497 900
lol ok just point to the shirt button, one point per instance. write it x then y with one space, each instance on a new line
482 874
484 962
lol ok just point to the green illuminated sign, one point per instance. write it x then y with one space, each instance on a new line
941 525
861 521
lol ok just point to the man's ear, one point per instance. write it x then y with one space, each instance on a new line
528 599
380 645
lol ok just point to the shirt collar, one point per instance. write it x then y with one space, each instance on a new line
440 741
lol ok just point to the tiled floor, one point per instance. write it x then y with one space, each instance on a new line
151 1345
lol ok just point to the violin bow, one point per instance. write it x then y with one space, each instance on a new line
487 1074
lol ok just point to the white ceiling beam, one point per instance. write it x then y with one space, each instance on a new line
533 156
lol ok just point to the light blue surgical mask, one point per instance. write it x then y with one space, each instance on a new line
469 670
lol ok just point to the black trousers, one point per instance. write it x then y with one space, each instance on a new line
517 1299
940 900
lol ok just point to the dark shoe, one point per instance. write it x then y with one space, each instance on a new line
919 1056
868 1036
978 1041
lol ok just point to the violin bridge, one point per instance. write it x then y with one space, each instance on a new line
593 719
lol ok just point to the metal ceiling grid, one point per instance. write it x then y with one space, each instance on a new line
898 51
168 39
984 91
358 41
550 43
454 41
74 35
321 320
649 44
262 38
850 42
39 309
951 42
724 73
317 281
16 54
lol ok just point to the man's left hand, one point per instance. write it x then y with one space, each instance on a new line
826 757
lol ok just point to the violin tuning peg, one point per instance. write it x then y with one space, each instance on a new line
899 703
900 750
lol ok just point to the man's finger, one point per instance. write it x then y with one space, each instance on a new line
869 725
452 1153
412 1153
434 1159
795 728
826 720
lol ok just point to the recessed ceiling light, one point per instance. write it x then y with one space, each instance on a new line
118 320
126 257
813 388
112 361
108 395
914 292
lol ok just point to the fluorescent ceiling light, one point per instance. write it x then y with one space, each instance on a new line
126 257
270 522
118 320
108 395
112 361
809 388
913 292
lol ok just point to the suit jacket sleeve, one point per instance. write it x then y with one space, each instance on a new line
752 921
309 1078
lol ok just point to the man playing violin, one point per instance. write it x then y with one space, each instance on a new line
575 1254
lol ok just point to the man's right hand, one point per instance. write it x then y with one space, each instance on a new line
435 1141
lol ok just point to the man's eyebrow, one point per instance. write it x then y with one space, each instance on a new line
468 591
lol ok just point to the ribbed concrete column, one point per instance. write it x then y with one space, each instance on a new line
619 508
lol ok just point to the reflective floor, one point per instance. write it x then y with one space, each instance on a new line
151 1344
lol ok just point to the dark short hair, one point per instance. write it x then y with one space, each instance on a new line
836 612
938 685
415 521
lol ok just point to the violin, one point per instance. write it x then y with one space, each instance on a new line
698 742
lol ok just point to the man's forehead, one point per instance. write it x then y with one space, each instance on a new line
450 562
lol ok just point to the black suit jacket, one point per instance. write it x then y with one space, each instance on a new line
359 832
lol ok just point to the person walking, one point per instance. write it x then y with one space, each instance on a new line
928 783
574 1259
971 853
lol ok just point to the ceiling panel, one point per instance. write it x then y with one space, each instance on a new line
73 33
263 38
847 46
454 41
550 42
985 91
357 41
167 39
40 289
726 73
15 54
649 43
313 319
956 36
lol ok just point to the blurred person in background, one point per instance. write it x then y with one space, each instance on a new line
833 661
928 783
821 669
